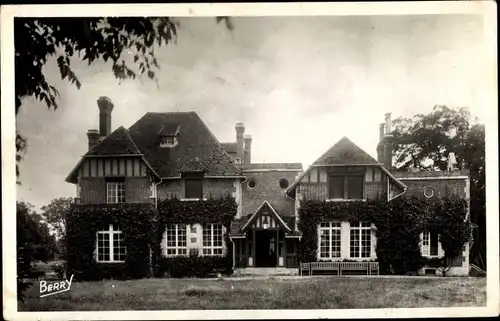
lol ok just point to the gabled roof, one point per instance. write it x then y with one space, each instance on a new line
345 152
272 211
193 166
194 140
230 147
118 142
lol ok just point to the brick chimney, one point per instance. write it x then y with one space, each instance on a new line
385 145
93 135
105 109
248 149
240 130
380 145
388 142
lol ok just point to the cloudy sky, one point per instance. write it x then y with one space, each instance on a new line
298 83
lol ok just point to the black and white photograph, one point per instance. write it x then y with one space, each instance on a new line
235 161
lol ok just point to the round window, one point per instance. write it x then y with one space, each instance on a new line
251 183
428 192
283 183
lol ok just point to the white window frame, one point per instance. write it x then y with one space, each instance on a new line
360 227
168 141
111 233
237 160
330 227
210 246
179 248
112 194
425 244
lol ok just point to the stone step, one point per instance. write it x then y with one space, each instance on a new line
265 271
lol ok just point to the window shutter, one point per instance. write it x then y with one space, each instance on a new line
336 186
355 187
193 188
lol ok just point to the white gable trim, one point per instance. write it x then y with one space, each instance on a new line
247 224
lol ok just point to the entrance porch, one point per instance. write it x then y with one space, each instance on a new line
265 241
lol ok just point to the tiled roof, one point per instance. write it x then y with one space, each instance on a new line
194 140
230 147
118 142
345 152
169 130
193 166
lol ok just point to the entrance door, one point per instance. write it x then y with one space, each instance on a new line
265 248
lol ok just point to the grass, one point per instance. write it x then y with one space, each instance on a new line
272 293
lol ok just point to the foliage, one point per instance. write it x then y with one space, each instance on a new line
54 214
136 222
196 266
34 243
432 137
398 225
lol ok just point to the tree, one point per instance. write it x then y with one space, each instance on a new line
34 243
111 39
54 214
424 142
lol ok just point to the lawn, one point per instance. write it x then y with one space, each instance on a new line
271 293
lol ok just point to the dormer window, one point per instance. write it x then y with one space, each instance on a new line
168 135
237 160
168 141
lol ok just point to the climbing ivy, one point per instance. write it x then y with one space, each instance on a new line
398 225
136 221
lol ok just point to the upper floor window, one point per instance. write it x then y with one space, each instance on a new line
193 186
115 191
430 244
237 160
345 186
110 245
212 239
329 240
176 240
168 141
360 240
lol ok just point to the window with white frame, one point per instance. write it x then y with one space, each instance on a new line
176 243
329 240
360 240
110 245
115 192
168 141
430 244
212 239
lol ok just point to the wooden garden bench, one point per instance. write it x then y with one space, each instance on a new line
370 268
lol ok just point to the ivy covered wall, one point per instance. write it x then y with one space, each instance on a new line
398 225
142 227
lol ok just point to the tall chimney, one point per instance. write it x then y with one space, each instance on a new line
105 108
388 124
93 135
380 145
240 130
381 132
248 149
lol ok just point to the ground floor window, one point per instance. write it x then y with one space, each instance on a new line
329 240
430 243
212 239
360 240
176 243
110 245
